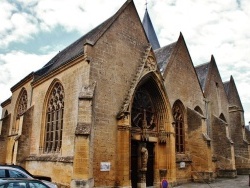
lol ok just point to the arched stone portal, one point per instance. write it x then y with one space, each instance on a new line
145 121
150 133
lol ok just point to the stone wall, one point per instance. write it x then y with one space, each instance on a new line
24 139
59 169
73 79
15 99
182 84
199 145
181 80
222 145
5 126
114 60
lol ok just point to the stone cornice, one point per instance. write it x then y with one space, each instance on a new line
6 102
51 158
22 82
60 69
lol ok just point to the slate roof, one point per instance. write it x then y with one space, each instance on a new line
226 86
232 93
71 52
202 72
76 48
162 56
150 32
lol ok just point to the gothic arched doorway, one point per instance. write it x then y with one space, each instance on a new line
143 120
148 122
136 159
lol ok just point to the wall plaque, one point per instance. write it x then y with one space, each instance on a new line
105 166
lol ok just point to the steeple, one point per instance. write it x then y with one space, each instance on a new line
149 29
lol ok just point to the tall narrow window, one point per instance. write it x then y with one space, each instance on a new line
21 108
22 104
179 129
54 120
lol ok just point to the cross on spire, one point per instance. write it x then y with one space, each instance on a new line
146 4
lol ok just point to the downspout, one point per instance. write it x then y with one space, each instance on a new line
207 118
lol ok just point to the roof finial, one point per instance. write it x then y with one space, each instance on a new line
146 4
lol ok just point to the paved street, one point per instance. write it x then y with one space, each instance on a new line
242 181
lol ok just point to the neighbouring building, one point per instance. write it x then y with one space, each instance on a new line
115 109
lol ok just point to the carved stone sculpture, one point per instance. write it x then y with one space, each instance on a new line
144 158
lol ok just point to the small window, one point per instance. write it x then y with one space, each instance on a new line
198 109
217 85
222 117
179 128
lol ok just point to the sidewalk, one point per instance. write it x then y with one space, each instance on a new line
242 181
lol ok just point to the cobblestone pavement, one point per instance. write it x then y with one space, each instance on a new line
242 181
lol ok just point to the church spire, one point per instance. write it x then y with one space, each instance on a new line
149 29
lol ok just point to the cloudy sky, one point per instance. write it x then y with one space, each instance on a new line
33 31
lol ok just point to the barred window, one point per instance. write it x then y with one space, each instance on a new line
179 129
54 119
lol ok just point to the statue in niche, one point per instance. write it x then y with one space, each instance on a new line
144 157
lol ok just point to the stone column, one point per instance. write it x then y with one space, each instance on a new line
123 152
82 164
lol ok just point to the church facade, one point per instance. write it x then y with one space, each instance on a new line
114 109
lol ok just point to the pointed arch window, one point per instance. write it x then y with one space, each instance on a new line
179 128
198 109
222 117
54 119
20 109
22 104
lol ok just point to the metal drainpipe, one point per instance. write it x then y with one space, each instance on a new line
31 95
206 108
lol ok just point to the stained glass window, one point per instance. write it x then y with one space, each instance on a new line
179 129
54 119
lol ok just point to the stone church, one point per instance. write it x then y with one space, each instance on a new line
114 109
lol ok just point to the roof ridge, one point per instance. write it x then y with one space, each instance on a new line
106 24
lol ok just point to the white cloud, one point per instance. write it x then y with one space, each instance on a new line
15 66
5 14
15 26
73 15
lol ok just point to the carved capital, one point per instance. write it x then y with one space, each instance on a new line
162 136
87 92
123 128
150 64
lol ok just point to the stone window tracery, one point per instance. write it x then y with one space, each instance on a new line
179 129
54 119
22 105
21 108
143 112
